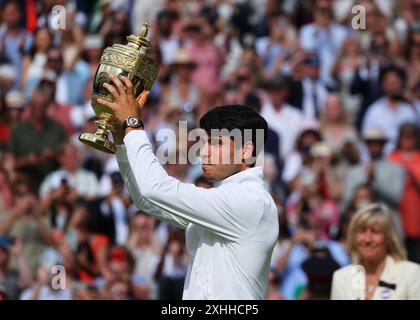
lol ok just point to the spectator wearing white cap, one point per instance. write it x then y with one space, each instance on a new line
383 176
14 104
93 47
7 77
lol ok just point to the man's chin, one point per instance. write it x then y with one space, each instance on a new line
208 176
207 173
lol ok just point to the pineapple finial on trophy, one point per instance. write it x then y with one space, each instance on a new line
140 40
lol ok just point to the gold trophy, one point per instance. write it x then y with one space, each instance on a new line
130 60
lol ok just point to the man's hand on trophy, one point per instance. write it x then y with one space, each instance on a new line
125 103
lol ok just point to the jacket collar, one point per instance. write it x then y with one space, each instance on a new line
388 274
388 281
255 174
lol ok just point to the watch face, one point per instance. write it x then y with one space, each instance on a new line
133 122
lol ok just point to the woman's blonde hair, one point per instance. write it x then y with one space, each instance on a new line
376 215
343 115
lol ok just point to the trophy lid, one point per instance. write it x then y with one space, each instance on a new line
139 40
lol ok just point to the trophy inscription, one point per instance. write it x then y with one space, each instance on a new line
129 60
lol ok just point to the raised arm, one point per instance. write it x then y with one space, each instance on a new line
230 212
141 202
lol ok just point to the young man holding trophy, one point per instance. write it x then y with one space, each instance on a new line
230 230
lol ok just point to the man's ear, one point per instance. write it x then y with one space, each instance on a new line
247 151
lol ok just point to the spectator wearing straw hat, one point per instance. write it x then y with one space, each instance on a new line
386 178
182 92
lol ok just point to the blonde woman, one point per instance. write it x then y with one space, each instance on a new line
380 270
335 128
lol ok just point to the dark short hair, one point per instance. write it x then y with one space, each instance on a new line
116 178
410 128
236 116
392 69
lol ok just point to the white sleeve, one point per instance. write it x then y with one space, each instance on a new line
230 213
414 284
140 202
292 166
372 119
336 290
308 37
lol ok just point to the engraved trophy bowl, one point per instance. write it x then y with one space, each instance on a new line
130 60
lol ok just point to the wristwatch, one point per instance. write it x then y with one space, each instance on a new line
132 122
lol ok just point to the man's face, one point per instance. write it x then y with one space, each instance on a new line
375 148
39 104
408 141
165 26
278 96
363 196
392 84
312 71
11 15
3 257
55 60
144 226
220 158
70 158
333 110
323 12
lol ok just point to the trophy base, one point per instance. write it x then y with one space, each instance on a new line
98 142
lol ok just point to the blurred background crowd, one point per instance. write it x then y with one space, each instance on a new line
342 104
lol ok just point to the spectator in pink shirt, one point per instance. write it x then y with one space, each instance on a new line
206 55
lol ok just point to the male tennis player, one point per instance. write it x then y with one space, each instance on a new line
230 230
